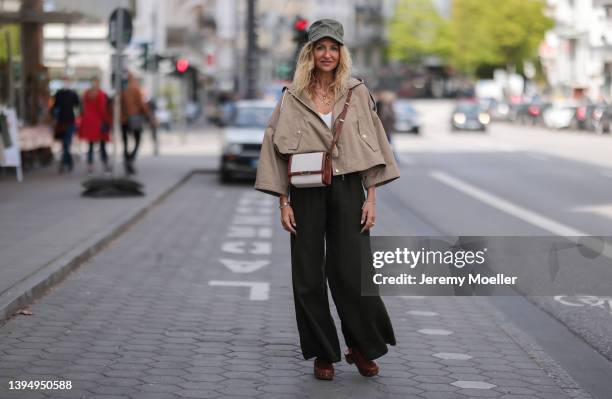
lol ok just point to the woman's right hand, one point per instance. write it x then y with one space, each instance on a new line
288 220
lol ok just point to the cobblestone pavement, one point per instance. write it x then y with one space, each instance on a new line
195 301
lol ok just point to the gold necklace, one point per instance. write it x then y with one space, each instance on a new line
323 98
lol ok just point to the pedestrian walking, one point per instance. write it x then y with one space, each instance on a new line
330 224
386 114
62 110
95 124
134 110
152 103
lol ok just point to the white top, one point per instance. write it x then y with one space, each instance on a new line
327 118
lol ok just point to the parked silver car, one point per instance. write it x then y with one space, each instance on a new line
242 138
407 119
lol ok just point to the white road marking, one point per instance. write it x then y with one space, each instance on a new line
251 210
261 248
249 232
253 220
606 173
604 210
601 302
239 247
244 266
520 212
506 206
258 290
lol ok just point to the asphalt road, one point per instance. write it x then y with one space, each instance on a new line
512 181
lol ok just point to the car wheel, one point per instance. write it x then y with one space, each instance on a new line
416 130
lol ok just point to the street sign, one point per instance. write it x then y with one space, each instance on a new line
113 28
119 68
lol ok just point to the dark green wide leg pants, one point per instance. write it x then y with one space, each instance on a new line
329 246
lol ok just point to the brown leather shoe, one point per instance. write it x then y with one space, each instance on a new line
323 369
367 368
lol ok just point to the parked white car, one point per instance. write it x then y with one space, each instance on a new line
242 138
559 116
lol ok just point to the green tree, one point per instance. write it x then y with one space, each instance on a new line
14 37
417 31
499 34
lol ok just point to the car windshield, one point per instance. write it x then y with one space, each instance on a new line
469 109
404 110
252 116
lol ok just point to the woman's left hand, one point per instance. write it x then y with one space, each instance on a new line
368 215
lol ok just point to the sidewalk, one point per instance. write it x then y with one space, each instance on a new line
146 318
47 227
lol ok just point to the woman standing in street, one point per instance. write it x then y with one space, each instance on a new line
330 225
95 123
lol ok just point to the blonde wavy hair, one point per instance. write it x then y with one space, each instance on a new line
304 77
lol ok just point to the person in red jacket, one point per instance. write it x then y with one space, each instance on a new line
95 123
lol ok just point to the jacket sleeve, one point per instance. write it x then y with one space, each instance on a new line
272 167
380 174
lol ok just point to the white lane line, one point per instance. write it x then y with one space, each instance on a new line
520 212
515 210
259 290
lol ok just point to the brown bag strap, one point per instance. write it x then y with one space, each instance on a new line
341 117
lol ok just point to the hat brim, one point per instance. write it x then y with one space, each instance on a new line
324 35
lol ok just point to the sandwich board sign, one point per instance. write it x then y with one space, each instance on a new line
12 152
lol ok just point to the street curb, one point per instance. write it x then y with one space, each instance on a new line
37 284
553 369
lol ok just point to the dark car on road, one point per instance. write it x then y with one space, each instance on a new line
469 116
407 118
242 138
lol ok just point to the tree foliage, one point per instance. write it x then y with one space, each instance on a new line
479 32
418 31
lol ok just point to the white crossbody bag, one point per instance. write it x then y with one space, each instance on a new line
314 169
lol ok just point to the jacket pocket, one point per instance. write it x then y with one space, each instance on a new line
288 141
294 138
367 136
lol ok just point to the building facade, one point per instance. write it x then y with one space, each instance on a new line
577 53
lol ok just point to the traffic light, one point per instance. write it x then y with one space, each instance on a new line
144 56
149 61
181 65
300 31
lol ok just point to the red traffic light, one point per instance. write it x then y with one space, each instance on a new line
182 64
301 24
